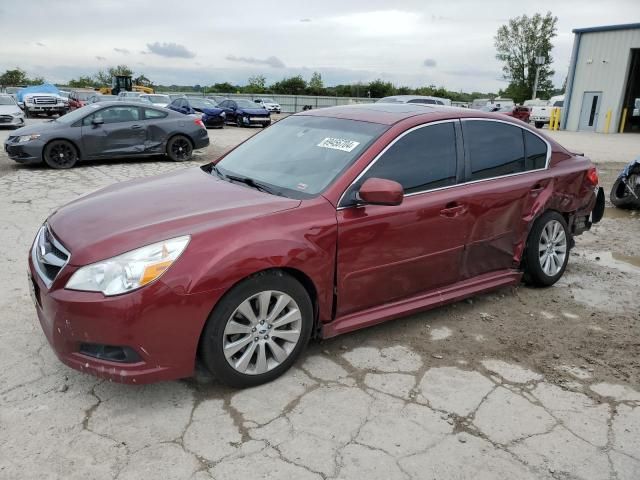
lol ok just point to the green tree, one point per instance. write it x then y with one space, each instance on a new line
14 77
316 85
518 43
256 84
142 80
290 86
82 81
224 87
378 89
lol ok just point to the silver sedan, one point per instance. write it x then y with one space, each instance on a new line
10 113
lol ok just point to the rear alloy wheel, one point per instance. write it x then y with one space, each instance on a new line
179 148
257 330
60 154
547 250
239 121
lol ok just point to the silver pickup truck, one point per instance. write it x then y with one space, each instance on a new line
46 103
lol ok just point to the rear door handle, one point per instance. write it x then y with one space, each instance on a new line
136 127
453 209
537 188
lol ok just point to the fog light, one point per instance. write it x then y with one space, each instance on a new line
111 353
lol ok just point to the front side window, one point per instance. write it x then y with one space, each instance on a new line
495 148
421 160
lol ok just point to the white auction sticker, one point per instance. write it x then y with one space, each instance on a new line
339 144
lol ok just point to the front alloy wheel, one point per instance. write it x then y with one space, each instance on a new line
262 332
257 330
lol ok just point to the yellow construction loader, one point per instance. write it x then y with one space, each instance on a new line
122 83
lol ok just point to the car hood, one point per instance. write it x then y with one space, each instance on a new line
41 128
209 111
9 109
129 215
254 111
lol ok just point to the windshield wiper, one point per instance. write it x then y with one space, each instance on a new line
217 171
252 183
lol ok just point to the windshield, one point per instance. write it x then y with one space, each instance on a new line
301 155
77 114
245 104
201 103
268 100
159 98
6 100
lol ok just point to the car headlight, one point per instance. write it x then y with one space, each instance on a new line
27 138
129 271
222 114
17 114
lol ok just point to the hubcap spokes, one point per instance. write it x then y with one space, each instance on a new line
552 248
262 332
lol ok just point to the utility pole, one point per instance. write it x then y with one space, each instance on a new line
539 62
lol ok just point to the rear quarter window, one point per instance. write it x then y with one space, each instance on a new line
151 114
495 148
536 151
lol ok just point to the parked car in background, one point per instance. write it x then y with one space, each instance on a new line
99 97
541 115
44 103
10 113
297 232
133 97
78 97
107 130
423 99
206 110
158 99
268 103
245 113
216 98
516 111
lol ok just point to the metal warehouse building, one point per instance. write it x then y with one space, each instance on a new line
603 86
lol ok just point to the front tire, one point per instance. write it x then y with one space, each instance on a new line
258 330
239 122
179 148
60 154
547 251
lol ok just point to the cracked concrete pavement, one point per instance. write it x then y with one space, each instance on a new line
519 383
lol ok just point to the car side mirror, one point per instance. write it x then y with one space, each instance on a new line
97 121
379 191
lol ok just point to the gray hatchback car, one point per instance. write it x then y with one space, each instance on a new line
108 130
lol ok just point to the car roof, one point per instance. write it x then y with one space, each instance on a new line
125 103
391 113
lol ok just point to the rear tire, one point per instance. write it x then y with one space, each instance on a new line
539 124
60 154
179 148
282 327
547 251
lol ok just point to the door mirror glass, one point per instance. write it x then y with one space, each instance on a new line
378 191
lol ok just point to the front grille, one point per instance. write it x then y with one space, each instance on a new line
5 118
48 255
45 100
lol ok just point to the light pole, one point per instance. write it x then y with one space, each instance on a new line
540 60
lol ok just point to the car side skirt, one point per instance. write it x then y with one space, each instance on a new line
421 302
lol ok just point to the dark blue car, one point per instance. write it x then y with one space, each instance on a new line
245 113
210 114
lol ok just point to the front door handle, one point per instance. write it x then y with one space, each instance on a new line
537 188
453 209
136 127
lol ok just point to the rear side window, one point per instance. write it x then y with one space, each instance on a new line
423 159
495 148
536 150
150 113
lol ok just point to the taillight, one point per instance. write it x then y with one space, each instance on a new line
199 122
592 176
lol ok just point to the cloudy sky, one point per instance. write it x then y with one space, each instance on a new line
448 43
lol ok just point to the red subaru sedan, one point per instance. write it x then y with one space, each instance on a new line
326 222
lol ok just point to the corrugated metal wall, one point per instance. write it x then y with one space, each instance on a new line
602 66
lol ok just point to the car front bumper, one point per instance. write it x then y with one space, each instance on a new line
29 152
159 327
46 108
262 121
11 121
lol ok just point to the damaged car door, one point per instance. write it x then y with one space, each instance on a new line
114 131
